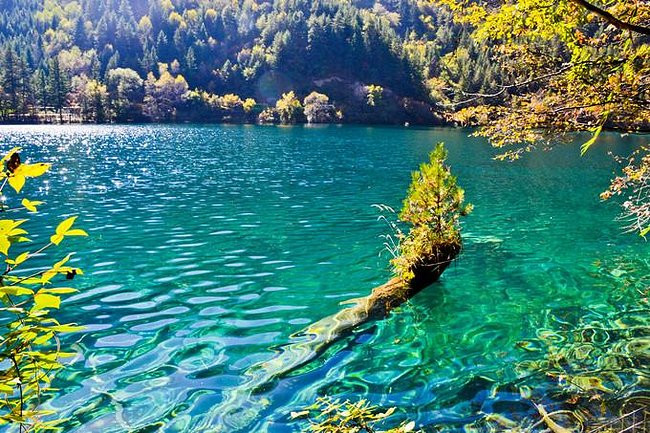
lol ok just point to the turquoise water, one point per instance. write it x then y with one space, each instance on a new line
210 246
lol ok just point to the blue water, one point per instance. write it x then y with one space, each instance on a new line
210 245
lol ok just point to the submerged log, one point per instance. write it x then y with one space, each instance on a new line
433 205
307 344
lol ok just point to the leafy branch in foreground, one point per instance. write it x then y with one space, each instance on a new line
334 416
635 180
569 65
29 345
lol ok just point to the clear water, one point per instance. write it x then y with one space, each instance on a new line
210 245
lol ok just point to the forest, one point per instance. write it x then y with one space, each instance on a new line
391 61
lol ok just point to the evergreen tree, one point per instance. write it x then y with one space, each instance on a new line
41 88
9 81
58 86
80 36
26 99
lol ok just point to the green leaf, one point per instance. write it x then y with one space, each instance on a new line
645 231
585 147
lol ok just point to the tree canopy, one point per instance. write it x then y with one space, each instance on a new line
567 66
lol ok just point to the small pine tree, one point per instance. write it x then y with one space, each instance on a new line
432 207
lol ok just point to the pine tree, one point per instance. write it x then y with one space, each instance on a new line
41 88
26 99
58 86
80 37
9 81
190 60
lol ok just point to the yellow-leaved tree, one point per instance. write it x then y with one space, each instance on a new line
30 351
568 65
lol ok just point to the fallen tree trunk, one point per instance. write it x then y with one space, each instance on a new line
307 344
433 205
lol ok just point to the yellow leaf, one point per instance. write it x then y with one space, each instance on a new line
17 182
28 335
59 290
16 232
8 155
56 239
585 147
61 262
21 258
44 301
62 228
44 338
7 227
15 291
65 229
32 170
31 205
67 328
4 245
76 232
27 281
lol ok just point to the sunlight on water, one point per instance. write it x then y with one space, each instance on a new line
210 246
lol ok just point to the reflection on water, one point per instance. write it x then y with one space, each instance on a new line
210 246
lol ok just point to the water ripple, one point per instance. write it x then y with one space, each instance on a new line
210 246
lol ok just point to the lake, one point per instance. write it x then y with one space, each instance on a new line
210 245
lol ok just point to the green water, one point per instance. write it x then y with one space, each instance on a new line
210 246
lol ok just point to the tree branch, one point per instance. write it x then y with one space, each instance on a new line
611 18
505 87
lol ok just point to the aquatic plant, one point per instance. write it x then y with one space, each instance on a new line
336 416
391 240
30 350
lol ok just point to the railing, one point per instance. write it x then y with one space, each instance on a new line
635 421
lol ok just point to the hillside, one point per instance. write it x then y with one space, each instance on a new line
100 60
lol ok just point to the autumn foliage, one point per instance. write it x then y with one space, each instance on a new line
29 347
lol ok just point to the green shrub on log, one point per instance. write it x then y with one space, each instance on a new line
433 205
